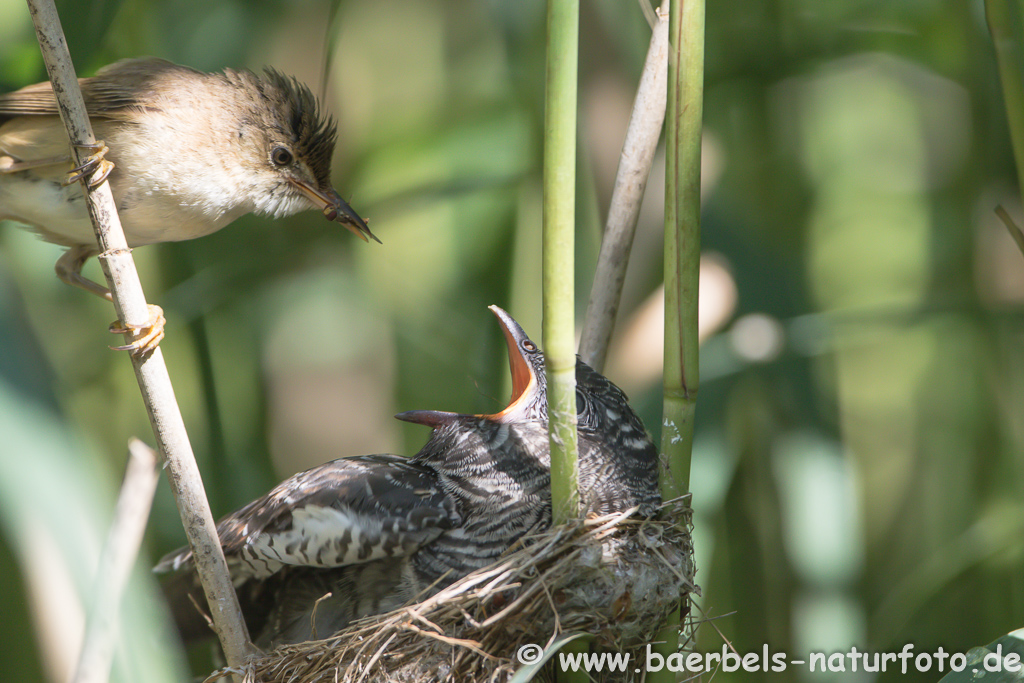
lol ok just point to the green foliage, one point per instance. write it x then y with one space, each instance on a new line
857 470
995 661
54 513
536 664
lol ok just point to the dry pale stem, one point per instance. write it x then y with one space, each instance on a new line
154 381
638 150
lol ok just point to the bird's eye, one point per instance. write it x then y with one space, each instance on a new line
529 346
281 156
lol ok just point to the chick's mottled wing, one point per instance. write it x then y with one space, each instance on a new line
619 461
344 512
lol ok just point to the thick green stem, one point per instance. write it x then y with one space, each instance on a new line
1006 35
682 239
558 265
682 262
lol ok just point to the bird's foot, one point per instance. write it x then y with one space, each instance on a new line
145 337
95 166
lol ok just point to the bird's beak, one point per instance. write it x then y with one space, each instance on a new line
337 209
524 378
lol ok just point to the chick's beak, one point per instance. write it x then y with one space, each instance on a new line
524 381
337 209
430 418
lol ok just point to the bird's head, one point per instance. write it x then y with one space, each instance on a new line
291 143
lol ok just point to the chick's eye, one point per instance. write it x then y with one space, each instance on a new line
581 404
529 346
281 156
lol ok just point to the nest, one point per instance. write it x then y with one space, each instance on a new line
613 577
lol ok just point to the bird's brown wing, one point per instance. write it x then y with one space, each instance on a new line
113 90
347 511
37 138
31 130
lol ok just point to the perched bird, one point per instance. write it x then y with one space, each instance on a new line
364 535
186 153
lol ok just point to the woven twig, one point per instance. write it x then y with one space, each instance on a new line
614 577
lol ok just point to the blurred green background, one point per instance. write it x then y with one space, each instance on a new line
857 475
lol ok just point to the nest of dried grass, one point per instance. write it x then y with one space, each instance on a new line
613 577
